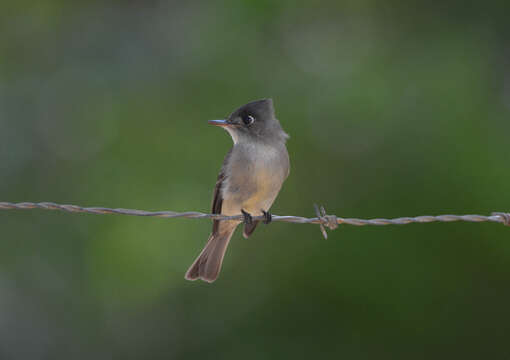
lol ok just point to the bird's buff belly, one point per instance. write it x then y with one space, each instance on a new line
253 196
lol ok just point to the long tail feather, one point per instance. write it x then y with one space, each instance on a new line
207 265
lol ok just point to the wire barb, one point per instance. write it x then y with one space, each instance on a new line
504 216
330 221
324 220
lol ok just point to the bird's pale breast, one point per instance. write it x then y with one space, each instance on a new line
254 178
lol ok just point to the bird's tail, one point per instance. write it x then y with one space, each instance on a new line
207 265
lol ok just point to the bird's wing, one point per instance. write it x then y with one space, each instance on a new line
217 196
249 228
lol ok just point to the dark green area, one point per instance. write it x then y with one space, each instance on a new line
394 109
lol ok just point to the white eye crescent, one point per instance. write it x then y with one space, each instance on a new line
248 120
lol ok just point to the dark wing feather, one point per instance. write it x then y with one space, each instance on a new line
217 197
249 229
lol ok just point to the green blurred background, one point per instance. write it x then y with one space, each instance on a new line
394 109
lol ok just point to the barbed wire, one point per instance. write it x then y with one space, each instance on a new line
324 220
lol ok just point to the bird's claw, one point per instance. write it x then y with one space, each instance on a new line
247 218
268 217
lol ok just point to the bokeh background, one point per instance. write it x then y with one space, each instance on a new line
395 108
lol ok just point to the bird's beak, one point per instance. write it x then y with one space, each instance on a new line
218 122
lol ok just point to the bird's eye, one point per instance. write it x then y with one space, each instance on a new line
248 119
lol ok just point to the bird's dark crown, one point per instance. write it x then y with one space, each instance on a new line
260 109
256 120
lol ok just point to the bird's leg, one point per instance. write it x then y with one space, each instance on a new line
268 217
247 218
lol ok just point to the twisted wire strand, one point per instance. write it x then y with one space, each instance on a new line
329 221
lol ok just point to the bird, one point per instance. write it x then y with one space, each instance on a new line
249 181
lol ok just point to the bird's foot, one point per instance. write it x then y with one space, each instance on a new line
247 218
268 217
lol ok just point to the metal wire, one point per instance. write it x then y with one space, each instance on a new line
329 221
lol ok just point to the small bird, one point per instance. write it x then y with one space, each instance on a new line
251 177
